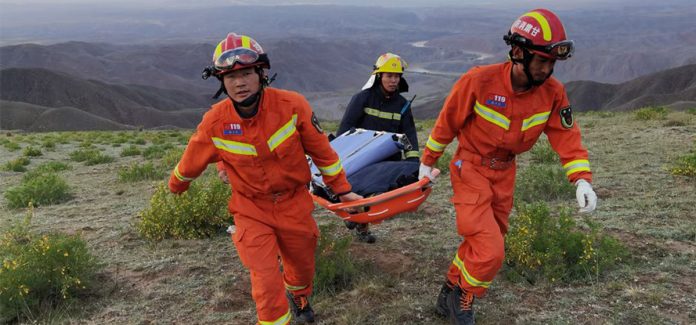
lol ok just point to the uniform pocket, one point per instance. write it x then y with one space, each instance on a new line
253 248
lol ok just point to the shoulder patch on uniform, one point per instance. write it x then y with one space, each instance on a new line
315 122
567 117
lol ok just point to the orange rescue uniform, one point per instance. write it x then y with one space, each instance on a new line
264 157
492 124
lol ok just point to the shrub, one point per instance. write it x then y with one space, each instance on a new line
40 189
17 165
87 144
49 144
443 162
131 150
651 113
52 166
90 156
602 114
171 158
139 141
140 172
543 183
685 165
199 212
11 146
335 270
120 139
543 153
542 246
691 110
30 151
671 123
156 151
41 270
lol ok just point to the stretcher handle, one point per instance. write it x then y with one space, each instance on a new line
379 198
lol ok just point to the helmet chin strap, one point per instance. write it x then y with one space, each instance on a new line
248 101
525 61
264 83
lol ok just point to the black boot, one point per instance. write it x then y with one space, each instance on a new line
441 306
301 308
459 304
363 233
350 224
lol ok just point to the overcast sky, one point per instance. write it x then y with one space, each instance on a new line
31 4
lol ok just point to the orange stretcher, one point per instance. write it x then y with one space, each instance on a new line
374 209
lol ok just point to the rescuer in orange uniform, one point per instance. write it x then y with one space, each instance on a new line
496 112
260 136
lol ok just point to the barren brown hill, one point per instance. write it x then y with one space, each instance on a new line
163 66
674 87
121 104
302 64
29 117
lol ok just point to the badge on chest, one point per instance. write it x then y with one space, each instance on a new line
231 129
493 100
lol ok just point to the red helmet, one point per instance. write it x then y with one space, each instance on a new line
541 32
238 52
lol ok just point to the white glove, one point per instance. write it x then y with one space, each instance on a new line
587 199
425 171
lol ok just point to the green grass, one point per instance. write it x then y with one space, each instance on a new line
651 113
685 165
335 266
156 151
41 189
543 183
140 172
11 145
542 245
542 153
131 150
17 165
649 210
30 151
41 272
199 212
90 156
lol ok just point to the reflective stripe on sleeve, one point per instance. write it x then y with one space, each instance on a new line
434 145
580 165
535 120
381 114
332 169
412 154
283 133
180 177
468 277
492 116
239 148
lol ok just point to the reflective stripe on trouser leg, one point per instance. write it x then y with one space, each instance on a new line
297 251
258 250
478 205
297 254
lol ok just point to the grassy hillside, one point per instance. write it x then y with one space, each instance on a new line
202 281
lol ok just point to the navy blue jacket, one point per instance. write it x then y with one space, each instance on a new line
371 109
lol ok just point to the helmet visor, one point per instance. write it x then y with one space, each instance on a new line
240 55
561 50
